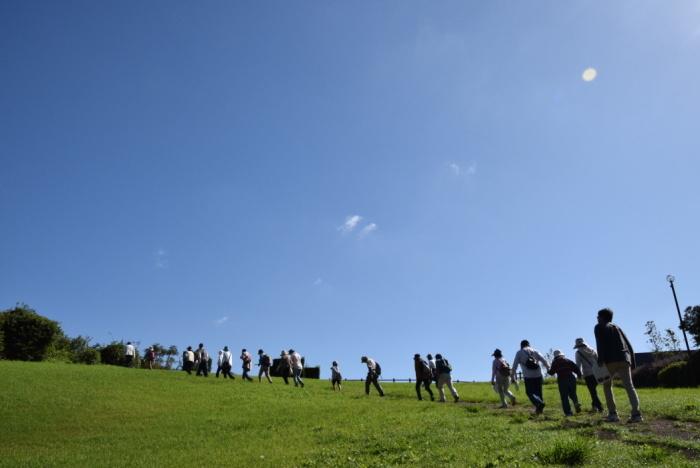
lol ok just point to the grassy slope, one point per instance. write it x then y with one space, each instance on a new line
54 414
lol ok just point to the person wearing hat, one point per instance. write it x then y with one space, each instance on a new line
500 378
373 373
566 371
264 362
423 376
226 364
284 367
530 359
586 360
246 360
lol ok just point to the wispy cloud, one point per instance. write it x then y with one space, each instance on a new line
221 320
350 224
318 282
459 170
161 258
367 230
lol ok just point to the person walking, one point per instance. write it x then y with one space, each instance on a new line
218 362
227 363
530 360
336 377
433 367
423 376
297 367
587 359
284 367
616 353
188 360
500 378
444 372
129 354
264 362
246 362
374 370
566 371
201 359
150 357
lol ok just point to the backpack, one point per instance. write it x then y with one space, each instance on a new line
377 368
426 371
531 363
265 360
505 369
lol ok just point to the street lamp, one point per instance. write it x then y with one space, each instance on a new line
671 279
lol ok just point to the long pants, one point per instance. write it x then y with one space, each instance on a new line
218 371
245 374
373 378
502 386
623 370
266 372
567 391
226 369
297 378
592 385
187 366
446 379
284 373
533 390
426 384
203 368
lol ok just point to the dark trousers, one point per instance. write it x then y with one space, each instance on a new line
592 385
245 374
218 371
226 369
203 368
373 379
533 390
567 391
284 373
426 384
187 366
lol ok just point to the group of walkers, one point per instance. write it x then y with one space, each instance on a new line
612 357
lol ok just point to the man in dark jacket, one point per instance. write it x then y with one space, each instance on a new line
423 376
566 371
616 353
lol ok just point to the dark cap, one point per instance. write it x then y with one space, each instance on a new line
497 353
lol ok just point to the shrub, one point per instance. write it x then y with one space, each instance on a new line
647 375
27 335
569 452
86 356
675 375
113 354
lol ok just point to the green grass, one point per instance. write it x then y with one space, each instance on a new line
73 415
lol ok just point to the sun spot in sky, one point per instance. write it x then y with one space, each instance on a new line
589 74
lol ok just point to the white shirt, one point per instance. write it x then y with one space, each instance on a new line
431 364
520 359
130 350
371 365
219 360
227 358
296 360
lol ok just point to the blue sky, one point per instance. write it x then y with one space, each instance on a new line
379 178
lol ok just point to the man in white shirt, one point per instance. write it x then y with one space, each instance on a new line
129 353
297 367
529 359
433 366
227 363
373 372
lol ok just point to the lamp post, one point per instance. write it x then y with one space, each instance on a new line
671 279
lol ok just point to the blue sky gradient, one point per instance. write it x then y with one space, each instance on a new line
174 172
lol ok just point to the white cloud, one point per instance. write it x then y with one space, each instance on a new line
318 282
350 223
471 169
161 258
222 320
456 170
367 230
589 74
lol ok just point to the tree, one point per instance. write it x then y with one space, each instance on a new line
671 341
691 322
654 338
27 335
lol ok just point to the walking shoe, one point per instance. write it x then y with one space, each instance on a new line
539 409
503 407
569 415
612 418
578 408
635 418
456 399
512 401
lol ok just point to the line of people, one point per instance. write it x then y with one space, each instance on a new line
612 357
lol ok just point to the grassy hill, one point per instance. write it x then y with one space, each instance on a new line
55 414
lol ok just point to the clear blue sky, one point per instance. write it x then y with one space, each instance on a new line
345 178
